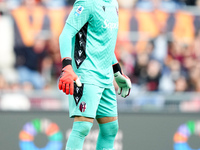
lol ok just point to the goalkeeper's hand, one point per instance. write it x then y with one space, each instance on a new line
67 78
122 81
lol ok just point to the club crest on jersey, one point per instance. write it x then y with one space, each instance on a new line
82 106
79 10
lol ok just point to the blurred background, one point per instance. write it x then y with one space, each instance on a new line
158 47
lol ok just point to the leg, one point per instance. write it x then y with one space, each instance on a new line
82 107
108 128
107 119
81 128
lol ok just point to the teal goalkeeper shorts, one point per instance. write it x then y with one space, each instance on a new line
93 102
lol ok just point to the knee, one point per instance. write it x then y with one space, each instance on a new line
82 127
109 129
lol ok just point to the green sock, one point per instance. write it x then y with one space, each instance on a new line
107 133
76 139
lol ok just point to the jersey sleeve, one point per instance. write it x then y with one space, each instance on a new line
81 13
65 40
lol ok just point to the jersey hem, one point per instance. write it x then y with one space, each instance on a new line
99 85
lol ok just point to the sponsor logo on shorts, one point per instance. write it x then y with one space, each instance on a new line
79 10
82 106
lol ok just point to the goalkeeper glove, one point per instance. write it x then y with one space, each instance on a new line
67 78
122 81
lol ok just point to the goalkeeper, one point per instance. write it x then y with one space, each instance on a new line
87 45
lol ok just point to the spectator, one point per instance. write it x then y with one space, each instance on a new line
166 84
29 20
152 59
54 55
140 68
196 44
194 76
153 75
160 46
181 84
30 67
174 70
197 87
56 12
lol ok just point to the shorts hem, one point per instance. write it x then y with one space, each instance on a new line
82 115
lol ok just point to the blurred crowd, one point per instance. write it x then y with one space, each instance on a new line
158 43
162 49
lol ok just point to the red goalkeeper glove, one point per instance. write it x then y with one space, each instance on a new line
67 78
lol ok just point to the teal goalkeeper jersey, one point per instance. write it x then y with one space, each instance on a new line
93 46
